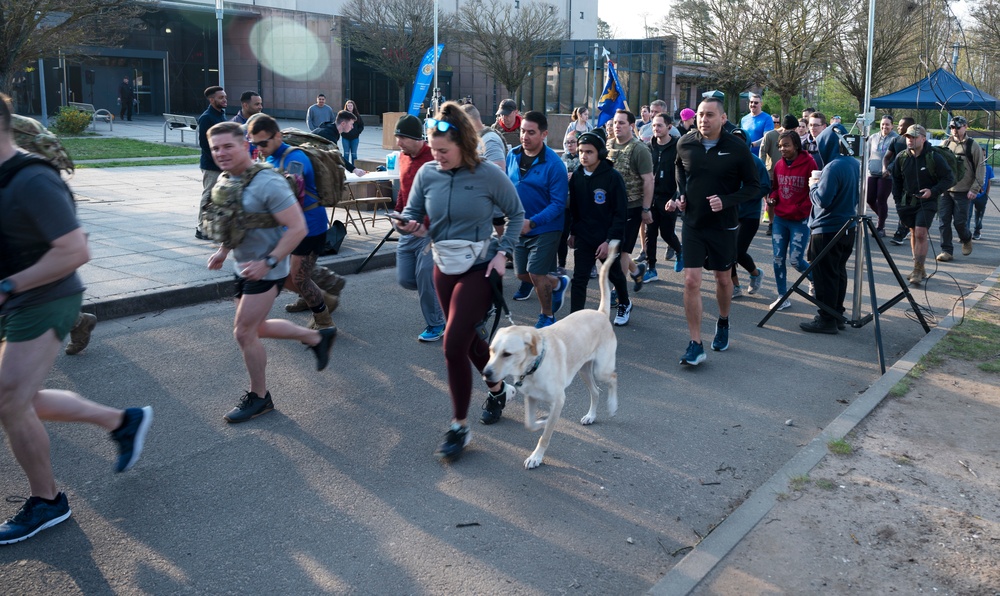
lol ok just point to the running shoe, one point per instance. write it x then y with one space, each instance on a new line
694 355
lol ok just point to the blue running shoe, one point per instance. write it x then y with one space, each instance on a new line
544 320
33 517
558 294
695 354
614 298
679 263
650 276
431 333
524 292
721 341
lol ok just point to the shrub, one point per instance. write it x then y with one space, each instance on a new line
70 121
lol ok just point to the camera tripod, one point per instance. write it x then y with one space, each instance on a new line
865 227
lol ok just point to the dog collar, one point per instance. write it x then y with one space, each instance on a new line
534 366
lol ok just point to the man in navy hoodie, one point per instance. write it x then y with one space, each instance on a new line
834 201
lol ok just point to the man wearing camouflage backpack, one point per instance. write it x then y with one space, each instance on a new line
265 134
919 176
250 193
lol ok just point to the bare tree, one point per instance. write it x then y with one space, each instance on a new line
892 34
393 36
797 40
504 42
725 37
31 29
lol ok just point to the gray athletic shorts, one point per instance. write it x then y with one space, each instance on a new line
536 254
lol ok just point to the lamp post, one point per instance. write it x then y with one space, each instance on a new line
218 18
437 90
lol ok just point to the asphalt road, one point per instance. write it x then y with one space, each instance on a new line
337 491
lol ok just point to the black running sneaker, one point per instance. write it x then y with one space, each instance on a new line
455 441
131 436
33 517
251 405
494 404
322 349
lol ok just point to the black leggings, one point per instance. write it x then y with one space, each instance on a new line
665 223
748 229
584 259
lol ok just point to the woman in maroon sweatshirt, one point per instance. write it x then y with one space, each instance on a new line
790 232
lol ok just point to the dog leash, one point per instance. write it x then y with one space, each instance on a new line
534 366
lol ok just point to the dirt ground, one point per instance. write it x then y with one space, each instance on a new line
914 509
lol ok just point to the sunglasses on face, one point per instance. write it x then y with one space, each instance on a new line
956 126
440 125
263 144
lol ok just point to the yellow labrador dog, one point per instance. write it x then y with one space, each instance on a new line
544 361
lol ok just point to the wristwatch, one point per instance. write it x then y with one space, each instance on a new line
646 209
271 262
7 287
532 224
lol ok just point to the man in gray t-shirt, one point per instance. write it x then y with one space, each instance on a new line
261 267
319 113
41 247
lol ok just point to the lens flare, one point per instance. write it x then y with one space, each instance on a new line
289 49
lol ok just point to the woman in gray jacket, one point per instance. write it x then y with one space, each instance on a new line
458 193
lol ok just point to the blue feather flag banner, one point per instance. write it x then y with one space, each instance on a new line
425 74
613 98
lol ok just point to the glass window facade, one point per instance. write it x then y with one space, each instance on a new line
564 79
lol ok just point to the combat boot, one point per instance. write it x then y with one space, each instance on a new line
332 301
918 274
321 320
299 305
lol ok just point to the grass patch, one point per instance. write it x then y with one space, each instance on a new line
977 339
133 164
83 148
840 447
799 483
901 388
826 484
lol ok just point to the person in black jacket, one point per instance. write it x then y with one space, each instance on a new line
715 173
596 214
663 147
125 99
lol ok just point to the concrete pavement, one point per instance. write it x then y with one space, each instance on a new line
602 516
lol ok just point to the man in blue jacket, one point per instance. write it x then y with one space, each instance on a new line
542 184
834 202
213 114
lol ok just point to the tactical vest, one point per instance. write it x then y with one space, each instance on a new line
621 157
224 219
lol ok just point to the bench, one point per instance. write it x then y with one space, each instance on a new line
178 122
95 115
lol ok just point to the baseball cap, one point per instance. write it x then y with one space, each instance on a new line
687 114
958 122
916 130
507 106
409 127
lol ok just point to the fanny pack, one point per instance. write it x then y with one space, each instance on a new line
454 257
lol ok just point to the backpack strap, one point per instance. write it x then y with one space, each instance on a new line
15 164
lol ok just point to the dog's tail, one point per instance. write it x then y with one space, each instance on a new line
611 261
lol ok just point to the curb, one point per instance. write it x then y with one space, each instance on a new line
687 574
139 304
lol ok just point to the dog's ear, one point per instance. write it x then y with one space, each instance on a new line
532 340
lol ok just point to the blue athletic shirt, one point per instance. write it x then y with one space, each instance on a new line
315 217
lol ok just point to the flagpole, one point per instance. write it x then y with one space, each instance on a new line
437 90
593 112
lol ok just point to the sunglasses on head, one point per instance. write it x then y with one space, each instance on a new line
440 125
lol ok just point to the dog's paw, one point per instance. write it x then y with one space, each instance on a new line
612 405
588 419
534 460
